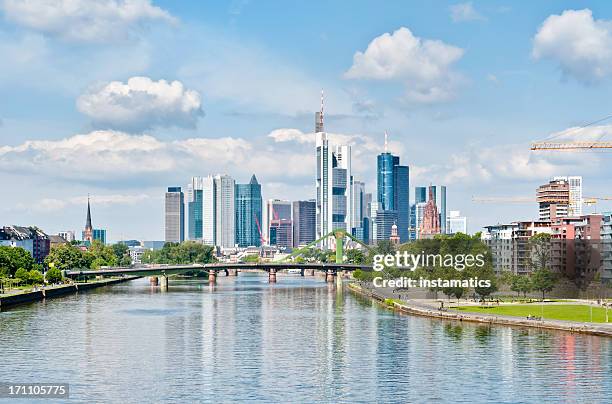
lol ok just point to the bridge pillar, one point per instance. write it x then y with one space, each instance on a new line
164 282
331 275
272 275
212 277
154 280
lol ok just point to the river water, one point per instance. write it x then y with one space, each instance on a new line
299 340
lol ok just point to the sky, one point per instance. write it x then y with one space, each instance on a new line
119 99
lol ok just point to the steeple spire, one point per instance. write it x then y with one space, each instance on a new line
88 222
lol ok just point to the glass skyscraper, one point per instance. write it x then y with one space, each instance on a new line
195 198
248 213
393 191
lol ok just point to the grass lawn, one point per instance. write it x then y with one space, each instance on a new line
571 312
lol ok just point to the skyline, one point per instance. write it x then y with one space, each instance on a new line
460 109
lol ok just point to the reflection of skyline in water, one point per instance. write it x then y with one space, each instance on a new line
299 340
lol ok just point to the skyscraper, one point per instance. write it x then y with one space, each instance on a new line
276 209
575 194
175 215
439 197
420 194
333 183
225 214
209 211
248 213
393 190
304 222
195 200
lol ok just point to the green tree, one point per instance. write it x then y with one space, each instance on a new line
543 280
22 275
355 256
68 257
13 258
521 284
35 277
540 251
53 275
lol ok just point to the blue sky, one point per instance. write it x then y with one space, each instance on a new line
120 99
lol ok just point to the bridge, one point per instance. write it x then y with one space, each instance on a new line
331 270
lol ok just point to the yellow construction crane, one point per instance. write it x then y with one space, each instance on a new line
552 145
591 200
570 146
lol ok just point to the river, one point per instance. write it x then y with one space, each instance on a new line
299 340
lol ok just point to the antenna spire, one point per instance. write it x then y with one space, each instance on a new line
386 141
322 99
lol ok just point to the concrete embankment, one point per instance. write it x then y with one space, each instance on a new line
421 310
56 291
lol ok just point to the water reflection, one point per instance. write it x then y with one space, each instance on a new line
297 341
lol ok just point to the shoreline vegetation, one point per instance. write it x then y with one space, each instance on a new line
477 314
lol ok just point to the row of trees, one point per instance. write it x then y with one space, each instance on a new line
187 252
541 280
68 256
17 263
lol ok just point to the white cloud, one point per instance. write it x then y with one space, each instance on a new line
84 20
465 12
111 157
141 104
423 65
581 45
504 164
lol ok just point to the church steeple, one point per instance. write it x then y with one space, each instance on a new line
88 222
88 232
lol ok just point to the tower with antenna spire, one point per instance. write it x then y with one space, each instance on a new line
319 127
333 182
393 190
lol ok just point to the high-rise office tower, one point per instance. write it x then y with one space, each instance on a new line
575 194
333 184
439 197
209 211
420 194
248 213
553 199
174 215
195 200
276 209
393 190
225 213
304 222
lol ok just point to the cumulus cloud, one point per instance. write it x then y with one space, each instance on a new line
465 12
112 157
84 20
141 104
424 66
506 163
579 44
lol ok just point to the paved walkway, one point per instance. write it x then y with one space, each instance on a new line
429 308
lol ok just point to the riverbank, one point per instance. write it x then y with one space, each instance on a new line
414 308
56 291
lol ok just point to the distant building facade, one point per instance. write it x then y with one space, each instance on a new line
195 208
304 222
31 239
174 215
455 223
248 213
393 191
